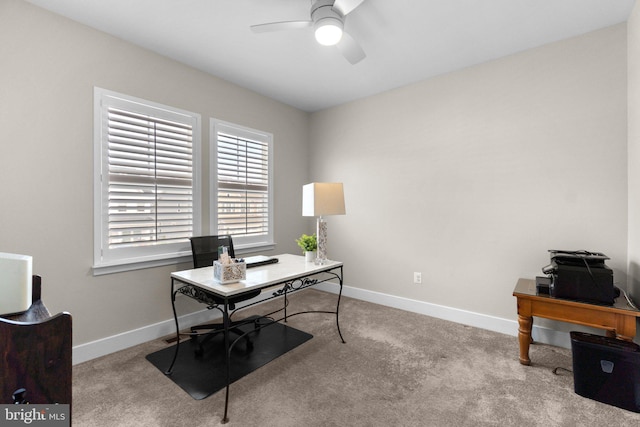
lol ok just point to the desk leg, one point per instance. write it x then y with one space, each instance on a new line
286 288
175 317
625 327
226 323
524 337
338 308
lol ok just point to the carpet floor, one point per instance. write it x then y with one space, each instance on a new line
396 369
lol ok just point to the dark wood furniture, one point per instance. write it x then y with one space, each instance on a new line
618 320
35 354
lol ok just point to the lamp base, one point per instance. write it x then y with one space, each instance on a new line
321 233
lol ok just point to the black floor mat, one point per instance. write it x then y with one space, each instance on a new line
203 376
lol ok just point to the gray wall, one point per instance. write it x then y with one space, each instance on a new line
633 49
49 66
468 177
472 176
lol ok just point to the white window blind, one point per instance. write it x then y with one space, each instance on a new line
243 184
150 179
147 202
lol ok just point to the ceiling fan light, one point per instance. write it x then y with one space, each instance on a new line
328 31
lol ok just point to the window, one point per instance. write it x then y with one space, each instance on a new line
146 184
241 200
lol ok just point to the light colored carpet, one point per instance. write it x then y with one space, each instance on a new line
396 369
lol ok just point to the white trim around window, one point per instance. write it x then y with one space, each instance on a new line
241 174
146 182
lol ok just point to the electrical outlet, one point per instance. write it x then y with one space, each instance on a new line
417 277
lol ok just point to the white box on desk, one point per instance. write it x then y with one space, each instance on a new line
229 273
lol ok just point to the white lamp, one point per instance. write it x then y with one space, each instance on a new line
15 283
327 22
320 199
328 31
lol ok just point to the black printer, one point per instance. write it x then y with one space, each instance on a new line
581 276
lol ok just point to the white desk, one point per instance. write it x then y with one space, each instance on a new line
292 273
288 268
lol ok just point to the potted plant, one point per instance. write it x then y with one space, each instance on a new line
309 245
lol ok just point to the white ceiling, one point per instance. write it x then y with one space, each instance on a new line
405 40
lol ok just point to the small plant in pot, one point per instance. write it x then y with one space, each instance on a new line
309 245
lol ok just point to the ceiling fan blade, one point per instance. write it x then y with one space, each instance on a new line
280 26
346 6
350 49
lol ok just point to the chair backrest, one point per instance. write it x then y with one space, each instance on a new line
205 249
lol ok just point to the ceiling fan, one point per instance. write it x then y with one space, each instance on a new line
327 19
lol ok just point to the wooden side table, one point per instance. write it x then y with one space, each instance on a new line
35 348
618 320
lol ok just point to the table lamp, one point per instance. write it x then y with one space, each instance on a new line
15 283
321 199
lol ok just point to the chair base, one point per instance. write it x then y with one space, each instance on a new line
217 328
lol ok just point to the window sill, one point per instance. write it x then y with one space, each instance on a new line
120 267
99 270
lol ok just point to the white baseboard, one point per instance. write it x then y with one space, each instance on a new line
104 346
108 345
478 320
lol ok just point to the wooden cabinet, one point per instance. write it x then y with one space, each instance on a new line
35 354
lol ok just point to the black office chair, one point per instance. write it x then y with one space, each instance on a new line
205 251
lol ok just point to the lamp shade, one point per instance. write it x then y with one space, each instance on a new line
328 23
323 198
328 31
15 283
